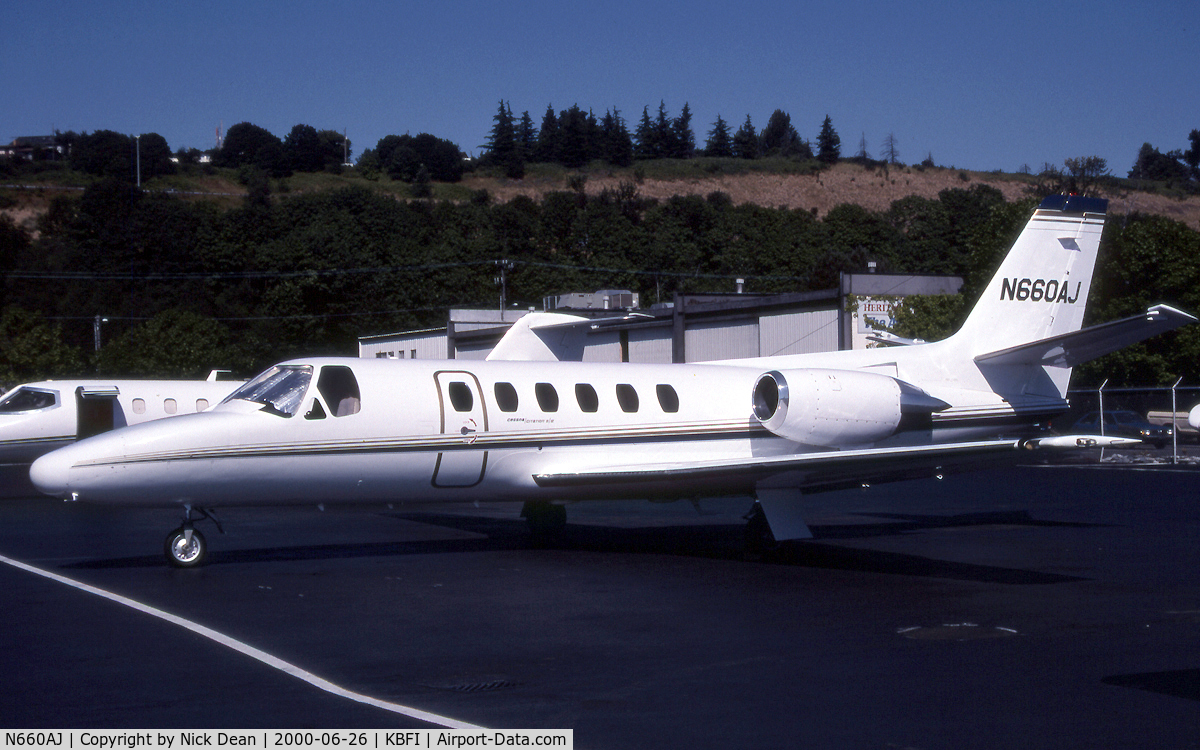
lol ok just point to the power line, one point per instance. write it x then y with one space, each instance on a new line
310 273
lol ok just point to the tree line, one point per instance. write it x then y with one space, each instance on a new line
571 138
179 287
574 138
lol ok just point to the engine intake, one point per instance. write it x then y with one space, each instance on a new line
836 408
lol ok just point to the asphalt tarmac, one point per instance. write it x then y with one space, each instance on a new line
1024 608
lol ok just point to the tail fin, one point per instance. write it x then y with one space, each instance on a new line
1042 286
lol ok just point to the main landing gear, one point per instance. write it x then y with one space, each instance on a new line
185 547
758 537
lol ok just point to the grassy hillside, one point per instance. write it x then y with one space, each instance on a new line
767 182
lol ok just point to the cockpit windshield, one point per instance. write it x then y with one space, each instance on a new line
27 399
280 389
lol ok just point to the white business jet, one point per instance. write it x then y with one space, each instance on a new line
36 418
525 425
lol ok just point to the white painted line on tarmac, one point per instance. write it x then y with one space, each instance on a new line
242 648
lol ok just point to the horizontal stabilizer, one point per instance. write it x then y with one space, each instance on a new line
550 337
543 337
1070 349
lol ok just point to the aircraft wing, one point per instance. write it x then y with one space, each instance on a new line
826 468
1071 349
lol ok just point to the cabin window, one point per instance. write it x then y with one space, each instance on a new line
170 406
547 397
668 399
27 399
139 406
339 388
587 398
201 404
506 396
627 398
460 396
279 389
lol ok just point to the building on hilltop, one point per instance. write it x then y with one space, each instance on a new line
31 147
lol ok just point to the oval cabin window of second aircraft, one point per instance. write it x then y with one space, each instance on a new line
547 397
506 397
586 396
627 397
170 406
139 406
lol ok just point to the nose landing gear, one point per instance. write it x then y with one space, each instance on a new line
185 547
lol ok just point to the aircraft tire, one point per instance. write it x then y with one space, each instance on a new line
183 555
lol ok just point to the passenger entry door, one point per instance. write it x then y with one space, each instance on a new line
464 416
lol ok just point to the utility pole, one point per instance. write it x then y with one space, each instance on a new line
505 266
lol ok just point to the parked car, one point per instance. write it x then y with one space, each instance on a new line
1123 423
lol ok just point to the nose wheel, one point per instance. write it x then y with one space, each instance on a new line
185 547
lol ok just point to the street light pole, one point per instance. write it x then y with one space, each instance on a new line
138 140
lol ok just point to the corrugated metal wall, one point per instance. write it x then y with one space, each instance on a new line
431 345
651 345
798 333
603 347
704 342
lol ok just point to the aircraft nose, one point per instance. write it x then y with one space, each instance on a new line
51 473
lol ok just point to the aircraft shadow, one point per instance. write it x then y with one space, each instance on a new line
1181 683
710 541
726 541
903 523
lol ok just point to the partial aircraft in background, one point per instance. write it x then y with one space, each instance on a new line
36 418
547 432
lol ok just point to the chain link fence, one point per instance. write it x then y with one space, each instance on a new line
1162 406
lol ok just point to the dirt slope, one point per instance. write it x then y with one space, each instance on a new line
844 183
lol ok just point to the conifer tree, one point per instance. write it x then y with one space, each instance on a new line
683 141
829 145
502 144
575 129
548 138
617 146
720 142
745 141
779 138
526 136
644 140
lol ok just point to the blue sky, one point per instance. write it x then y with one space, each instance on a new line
979 85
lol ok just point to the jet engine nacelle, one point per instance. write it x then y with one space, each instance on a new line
833 408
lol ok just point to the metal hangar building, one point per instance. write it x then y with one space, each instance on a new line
692 328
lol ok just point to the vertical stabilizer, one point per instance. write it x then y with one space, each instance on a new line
1042 286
